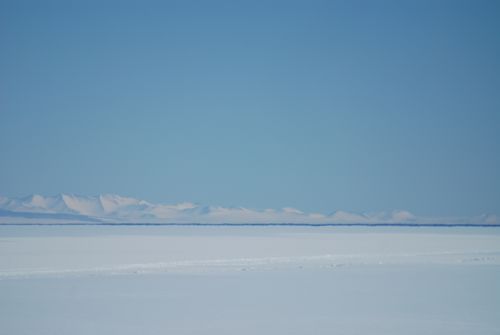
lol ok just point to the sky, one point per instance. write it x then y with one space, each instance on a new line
320 105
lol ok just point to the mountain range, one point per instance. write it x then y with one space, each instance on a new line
112 208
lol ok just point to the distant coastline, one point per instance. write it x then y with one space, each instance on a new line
423 225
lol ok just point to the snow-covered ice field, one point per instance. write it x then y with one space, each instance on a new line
249 280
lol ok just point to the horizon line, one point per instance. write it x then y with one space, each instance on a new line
444 225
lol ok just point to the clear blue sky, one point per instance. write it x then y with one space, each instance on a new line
319 105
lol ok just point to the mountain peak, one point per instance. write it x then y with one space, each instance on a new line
117 208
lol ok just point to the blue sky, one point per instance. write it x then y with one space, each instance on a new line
319 105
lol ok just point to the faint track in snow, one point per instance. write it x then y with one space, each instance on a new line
262 263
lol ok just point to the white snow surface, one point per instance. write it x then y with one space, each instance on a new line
111 208
249 280
194 248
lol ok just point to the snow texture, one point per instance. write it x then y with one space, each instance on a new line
249 280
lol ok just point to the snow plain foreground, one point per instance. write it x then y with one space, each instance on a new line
249 280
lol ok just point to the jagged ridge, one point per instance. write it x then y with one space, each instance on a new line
116 208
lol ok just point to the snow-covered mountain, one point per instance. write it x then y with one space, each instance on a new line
111 208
